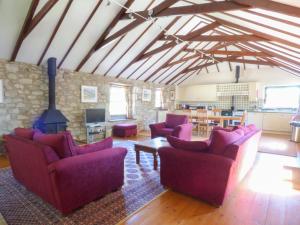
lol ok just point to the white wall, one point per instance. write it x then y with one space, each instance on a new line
265 76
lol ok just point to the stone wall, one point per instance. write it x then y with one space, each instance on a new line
26 96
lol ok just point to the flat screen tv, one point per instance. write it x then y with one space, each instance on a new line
94 115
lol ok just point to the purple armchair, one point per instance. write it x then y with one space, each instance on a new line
175 125
70 182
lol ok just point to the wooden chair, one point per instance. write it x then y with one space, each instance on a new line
216 112
202 121
188 112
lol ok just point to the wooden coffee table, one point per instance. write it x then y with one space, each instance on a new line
150 146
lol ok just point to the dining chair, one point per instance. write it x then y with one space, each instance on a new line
188 112
216 122
202 122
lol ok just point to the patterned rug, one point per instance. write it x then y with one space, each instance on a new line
19 206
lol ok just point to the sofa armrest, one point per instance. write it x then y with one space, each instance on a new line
104 144
80 179
154 128
157 126
202 175
183 131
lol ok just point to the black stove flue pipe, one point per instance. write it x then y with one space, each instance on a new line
52 75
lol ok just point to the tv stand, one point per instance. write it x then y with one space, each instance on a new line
95 132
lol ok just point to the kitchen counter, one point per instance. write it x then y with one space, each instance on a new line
273 111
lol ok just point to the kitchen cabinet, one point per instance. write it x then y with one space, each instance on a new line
255 118
271 122
205 93
279 122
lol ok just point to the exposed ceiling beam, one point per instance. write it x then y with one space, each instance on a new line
41 14
130 47
195 33
272 53
237 53
224 38
255 32
30 22
194 9
194 62
250 61
188 37
79 33
172 57
139 56
104 34
55 30
105 39
271 6
211 63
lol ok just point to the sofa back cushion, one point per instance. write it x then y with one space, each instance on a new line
195 146
24 132
174 120
220 139
62 143
247 129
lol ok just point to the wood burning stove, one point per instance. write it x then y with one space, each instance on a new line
52 120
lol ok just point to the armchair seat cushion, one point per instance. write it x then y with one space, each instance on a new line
104 144
165 132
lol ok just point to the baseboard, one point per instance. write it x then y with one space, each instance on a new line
276 132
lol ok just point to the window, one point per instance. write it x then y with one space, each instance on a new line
118 105
282 97
158 98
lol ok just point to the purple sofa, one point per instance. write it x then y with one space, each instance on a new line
175 125
209 170
71 178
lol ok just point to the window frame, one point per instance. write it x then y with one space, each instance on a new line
280 86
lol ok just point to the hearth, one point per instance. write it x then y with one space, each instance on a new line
52 120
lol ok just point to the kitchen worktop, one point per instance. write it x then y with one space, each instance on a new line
273 111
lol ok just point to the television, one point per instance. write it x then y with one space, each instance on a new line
94 116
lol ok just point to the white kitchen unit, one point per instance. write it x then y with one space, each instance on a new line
255 118
271 122
206 93
278 122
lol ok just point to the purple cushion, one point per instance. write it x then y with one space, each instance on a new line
24 132
247 129
195 146
174 120
104 144
60 142
219 128
165 132
221 139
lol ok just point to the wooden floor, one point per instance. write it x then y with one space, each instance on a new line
3 161
278 144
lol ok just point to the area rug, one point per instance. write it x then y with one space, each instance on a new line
19 206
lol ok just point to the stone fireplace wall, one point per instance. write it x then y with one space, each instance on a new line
26 96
